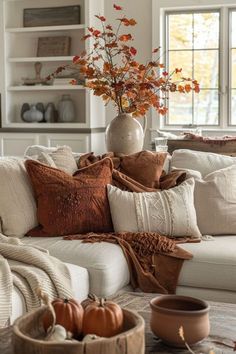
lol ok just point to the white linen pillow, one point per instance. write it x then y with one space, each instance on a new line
215 202
204 162
17 204
169 212
61 157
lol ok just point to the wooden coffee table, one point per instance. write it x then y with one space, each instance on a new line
222 334
222 321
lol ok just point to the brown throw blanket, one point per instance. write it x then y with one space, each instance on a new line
154 261
125 182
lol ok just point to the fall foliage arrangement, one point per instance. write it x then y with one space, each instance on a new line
112 72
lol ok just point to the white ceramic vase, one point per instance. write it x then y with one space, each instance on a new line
124 135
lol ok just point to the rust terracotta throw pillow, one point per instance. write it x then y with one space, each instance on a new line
144 167
71 204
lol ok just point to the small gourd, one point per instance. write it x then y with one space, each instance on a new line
103 318
58 334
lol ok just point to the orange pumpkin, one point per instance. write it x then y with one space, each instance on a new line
69 314
103 318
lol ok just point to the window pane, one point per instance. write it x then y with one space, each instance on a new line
233 68
206 107
180 31
180 108
206 68
233 33
233 107
206 30
181 59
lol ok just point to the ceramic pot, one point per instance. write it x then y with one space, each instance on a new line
170 312
32 115
124 135
66 109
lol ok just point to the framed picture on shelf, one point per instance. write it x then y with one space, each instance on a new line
53 46
52 16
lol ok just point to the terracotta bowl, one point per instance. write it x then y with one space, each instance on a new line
170 312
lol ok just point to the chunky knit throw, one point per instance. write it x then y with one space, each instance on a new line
29 268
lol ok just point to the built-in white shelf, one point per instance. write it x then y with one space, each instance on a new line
45 87
45 28
47 125
42 59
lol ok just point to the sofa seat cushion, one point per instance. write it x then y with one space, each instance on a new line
80 286
106 263
213 265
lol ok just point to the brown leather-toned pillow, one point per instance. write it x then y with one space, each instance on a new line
71 204
144 167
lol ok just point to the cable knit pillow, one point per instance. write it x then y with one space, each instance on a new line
69 205
169 213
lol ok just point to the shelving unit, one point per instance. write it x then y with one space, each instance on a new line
18 59
41 59
46 88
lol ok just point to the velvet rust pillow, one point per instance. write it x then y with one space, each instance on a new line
71 204
144 167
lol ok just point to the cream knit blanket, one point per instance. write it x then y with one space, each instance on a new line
28 268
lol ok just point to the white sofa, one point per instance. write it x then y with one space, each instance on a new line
101 268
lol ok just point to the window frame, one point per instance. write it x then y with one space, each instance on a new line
159 39
166 37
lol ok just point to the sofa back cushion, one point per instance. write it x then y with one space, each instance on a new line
71 204
215 202
17 204
169 212
204 162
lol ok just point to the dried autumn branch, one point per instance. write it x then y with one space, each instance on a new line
111 71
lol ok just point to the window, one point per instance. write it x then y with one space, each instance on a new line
232 71
199 41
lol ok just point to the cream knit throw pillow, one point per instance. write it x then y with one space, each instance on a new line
169 213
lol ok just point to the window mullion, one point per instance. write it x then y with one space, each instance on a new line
224 65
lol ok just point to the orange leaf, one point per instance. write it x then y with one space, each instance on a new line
128 22
106 66
188 88
86 37
133 51
180 88
125 37
101 18
178 70
118 8
75 59
96 33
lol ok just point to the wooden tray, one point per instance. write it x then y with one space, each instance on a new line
28 334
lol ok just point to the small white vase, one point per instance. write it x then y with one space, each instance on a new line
32 115
124 135
66 109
